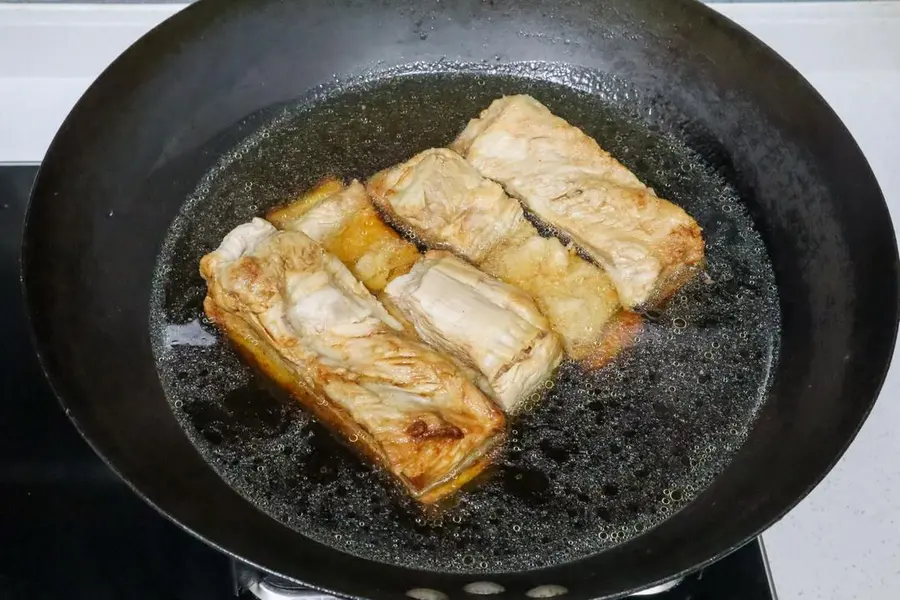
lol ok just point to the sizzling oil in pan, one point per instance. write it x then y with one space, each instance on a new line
601 458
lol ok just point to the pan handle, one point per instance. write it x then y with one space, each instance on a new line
273 588
658 589
269 587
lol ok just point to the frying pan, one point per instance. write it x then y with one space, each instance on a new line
138 142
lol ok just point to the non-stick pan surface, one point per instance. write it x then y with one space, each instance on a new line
143 137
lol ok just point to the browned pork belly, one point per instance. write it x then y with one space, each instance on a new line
491 328
647 245
298 314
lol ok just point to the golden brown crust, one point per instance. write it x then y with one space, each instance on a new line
575 295
246 298
281 216
449 487
684 259
358 237
261 355
618 335
368 240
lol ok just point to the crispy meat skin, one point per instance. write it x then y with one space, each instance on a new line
435 191
647 245
297 313
491 329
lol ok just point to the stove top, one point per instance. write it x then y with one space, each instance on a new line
71 529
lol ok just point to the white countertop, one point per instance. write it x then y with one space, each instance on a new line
843 541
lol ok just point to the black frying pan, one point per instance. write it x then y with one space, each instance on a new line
154 124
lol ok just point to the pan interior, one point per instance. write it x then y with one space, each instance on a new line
603 457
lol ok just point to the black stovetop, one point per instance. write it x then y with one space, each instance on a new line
70 529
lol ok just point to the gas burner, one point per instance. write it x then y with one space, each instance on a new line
742 575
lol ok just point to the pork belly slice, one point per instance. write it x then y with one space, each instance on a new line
298 314
481 321
493 330
435 191
648 246
447 204
342 219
